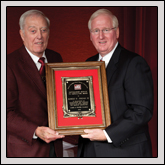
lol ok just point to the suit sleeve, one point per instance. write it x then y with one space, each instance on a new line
26 129
138 92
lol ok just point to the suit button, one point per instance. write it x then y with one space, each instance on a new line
24 140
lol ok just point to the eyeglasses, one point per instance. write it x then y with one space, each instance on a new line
105 31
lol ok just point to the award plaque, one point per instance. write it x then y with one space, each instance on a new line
77 97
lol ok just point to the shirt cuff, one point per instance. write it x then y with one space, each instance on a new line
34 136
108 138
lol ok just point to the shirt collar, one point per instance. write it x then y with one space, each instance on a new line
108 56
35 58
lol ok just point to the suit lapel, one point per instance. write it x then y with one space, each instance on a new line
112 65
110 70
96 58
32 71
49 58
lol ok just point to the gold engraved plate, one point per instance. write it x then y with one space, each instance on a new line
78 97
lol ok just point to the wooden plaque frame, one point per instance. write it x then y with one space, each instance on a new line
76 125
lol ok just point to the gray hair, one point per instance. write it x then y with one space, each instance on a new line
100 12
30 13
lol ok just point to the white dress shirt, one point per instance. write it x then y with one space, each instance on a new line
35 59
106 59
108 56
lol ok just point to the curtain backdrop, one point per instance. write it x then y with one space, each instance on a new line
69 36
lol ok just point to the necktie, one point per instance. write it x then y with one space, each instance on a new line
101 59
42 69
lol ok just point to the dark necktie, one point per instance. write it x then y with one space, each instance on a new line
42 69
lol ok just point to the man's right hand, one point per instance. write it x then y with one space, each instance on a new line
47 134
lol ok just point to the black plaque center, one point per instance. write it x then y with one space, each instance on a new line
78 96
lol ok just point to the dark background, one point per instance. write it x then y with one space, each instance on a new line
69 36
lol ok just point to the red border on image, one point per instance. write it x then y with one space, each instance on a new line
74 121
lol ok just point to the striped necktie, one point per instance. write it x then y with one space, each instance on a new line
42 69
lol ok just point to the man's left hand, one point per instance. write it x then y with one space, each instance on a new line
94 135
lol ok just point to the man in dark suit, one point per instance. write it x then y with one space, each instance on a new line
28 134
130 89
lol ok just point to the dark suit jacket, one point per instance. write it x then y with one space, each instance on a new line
130 89
27 106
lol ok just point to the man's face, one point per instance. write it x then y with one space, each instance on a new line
35 34
104 43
